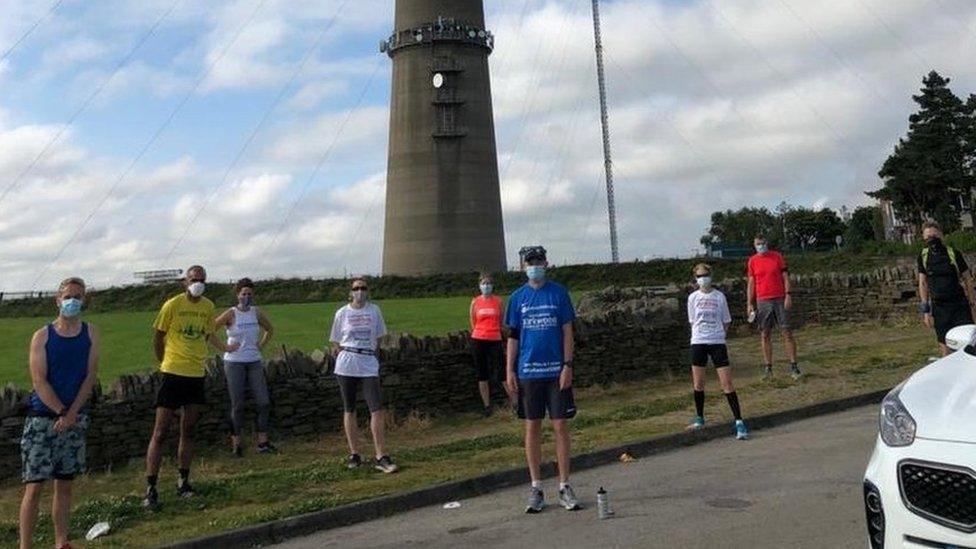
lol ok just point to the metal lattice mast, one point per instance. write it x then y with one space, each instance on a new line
605 122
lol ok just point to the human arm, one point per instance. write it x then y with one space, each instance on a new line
511 359
785 270
38 372
566 375
268 329
159 344
471 316
751 295
221 346
87 386
225 320
925 306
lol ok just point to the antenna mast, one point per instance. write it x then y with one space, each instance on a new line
605 123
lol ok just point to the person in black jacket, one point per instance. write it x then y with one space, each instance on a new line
944 285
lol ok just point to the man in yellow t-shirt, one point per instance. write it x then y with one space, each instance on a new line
183 328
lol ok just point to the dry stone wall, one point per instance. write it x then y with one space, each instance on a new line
622 335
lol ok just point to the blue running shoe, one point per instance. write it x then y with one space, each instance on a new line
741 433
698 423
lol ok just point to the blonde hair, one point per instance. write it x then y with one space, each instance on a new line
69 281
703 266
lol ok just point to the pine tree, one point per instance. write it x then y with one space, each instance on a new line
932 166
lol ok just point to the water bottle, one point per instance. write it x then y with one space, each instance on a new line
603 504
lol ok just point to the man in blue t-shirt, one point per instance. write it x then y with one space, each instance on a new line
539 364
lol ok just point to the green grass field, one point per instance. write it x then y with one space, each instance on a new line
127 337
308 474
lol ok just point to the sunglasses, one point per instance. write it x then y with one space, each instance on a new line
195 280
356 288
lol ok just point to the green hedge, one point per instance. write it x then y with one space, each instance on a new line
576 277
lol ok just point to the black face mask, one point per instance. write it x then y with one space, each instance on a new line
934 241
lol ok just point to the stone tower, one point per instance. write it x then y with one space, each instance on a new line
443 205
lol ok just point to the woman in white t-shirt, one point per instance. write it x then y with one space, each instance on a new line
356 331
709 316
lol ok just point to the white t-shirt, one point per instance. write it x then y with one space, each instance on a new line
708 313
359 329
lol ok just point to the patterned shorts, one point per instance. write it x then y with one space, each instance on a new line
46 454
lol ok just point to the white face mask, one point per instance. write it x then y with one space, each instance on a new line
762 248
359 296
704 281
196 289
486 289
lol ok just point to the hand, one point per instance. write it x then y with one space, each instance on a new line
750 309
231 347
566 378
788 302
65 422
927 320
511 386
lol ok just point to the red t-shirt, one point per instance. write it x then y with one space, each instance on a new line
486 317
767 270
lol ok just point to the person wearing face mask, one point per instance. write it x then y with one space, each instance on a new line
182 329
248 326
539 371
769 302
64 369
486 337
709 316
356 331
944 285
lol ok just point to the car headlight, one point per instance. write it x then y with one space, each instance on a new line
897 426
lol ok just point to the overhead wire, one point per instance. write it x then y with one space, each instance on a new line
30 30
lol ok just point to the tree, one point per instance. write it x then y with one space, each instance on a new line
932 166
807 228
864 226
740 227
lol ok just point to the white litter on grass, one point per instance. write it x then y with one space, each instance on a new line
100 529
452 505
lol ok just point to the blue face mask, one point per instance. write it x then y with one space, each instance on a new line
535 272
71 307
486 289
762 248
245 301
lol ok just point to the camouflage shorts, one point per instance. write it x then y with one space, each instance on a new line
46 454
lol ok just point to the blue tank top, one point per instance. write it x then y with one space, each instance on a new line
67 367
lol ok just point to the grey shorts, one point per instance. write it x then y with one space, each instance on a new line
372 394
770 313
46 454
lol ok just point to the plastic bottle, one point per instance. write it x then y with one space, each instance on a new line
603 504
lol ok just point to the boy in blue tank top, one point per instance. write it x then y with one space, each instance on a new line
540 370
64 369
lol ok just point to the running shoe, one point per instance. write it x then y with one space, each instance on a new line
238 452
537 501
185 491
698 423
152 498
795 371
741 433
353 461
567 498
488 411
267 448
767 372
386 465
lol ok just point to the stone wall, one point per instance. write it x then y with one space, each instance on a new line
430 375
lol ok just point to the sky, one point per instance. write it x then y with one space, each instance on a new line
250 135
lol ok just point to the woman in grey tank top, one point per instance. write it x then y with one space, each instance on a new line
248 326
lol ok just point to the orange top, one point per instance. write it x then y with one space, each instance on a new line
486 318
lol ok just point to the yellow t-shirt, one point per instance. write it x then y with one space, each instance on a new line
187 326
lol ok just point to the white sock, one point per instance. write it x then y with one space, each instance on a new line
537 484
563 485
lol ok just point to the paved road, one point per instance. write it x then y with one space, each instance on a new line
796 486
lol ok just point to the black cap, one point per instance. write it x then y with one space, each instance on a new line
532 253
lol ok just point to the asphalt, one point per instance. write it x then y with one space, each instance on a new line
798 486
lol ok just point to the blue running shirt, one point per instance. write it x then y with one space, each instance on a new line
539 316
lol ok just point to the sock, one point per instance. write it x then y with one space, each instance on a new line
700 403
184 476
151 480
734 404
563 485
537 484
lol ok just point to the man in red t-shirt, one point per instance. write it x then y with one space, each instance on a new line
769 299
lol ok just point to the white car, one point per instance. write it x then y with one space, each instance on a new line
920 486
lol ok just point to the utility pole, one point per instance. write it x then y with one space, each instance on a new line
605 123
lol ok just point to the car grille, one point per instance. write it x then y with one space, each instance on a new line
940 493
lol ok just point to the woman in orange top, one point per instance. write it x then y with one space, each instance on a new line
486 337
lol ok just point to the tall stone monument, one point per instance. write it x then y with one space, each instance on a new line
443 205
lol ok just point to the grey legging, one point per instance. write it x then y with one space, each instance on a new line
238 374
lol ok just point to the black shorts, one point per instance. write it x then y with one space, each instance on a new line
348 385
179 391
487 359
947 316
536 397
700 353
